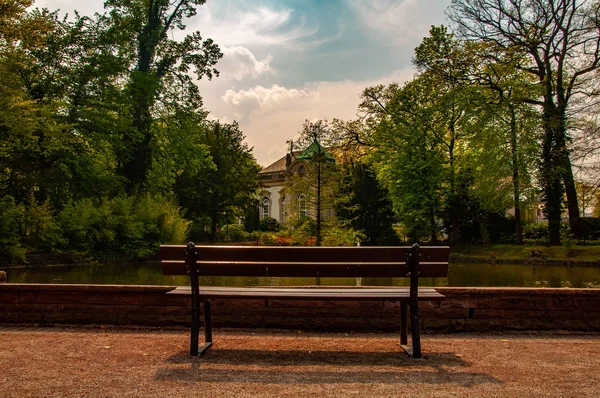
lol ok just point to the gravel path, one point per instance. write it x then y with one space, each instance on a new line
115 362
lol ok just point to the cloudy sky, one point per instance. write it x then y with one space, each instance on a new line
290 60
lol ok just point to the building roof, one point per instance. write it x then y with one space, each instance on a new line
313 149
279 165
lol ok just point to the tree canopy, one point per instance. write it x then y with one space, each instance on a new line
103 112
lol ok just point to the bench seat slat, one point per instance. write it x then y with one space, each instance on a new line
306 254
309 293
305 269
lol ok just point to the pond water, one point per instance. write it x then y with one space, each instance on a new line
515 275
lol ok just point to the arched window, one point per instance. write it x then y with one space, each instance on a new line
266 204
302 205
301 171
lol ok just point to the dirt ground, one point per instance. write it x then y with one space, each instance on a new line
115 362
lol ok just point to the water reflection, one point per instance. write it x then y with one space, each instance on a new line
516 275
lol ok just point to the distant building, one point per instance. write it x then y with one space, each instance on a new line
280 202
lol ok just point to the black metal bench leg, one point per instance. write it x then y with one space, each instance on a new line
403 323
208 342
413 301
415 332
195 330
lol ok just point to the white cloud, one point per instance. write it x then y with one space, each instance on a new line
401 22
265 97
240 24
88 7
269 116
238 62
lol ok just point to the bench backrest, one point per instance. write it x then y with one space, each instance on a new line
393 261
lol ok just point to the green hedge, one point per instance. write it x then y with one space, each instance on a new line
130 227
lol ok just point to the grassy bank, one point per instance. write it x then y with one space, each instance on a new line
486 253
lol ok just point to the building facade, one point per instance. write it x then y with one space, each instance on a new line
288 190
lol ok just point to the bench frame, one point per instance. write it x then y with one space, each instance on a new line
196 267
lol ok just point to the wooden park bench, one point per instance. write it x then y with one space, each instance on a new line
366 262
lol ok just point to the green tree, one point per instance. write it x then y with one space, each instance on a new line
504 142
159 62
511 133
409 157
558 43
313 180
367 207
40 155
454 104
222 190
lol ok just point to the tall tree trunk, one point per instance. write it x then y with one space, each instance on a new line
572 202
551 175
318 243
213 227
143 90
434 239
567 173
454 232
515 176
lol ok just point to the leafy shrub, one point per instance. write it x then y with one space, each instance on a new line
76 221
128 226
41 231
500 228
580 242
536 231
199 230
590 228
267 239
232 233
535 242
254 236
163 221
537 234
11 217
336 236
304 233
283 241
266 222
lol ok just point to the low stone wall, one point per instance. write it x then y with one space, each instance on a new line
466 309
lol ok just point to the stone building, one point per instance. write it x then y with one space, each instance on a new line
278 198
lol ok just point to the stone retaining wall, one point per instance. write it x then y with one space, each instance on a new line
466 309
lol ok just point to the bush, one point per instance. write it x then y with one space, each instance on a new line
127 226
42 232
303 234
76 221
267 239
268 221
580 242
283 240
11 217
254 236
232 233
536 232
336 236
590 228
199 230
500 228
